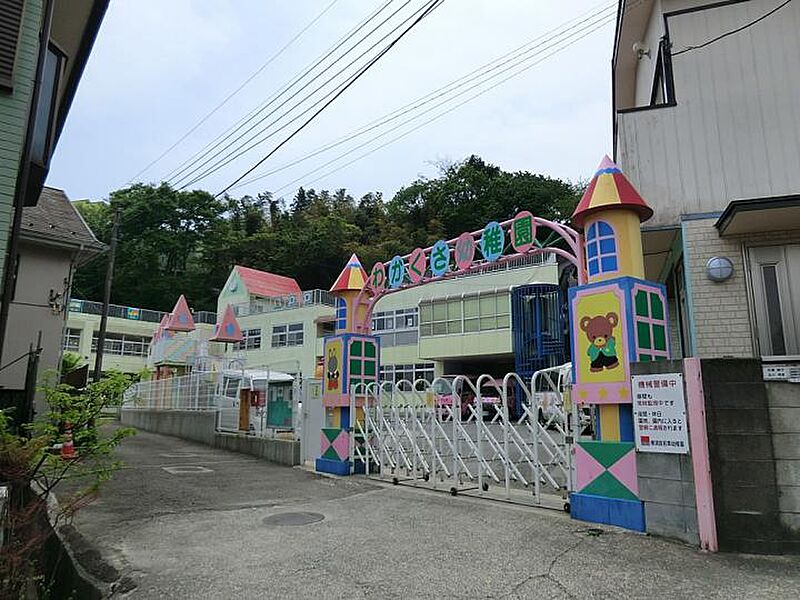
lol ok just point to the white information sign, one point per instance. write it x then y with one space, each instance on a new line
659 413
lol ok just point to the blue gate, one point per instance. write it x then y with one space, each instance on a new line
538 323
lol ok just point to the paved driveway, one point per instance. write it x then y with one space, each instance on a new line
219 531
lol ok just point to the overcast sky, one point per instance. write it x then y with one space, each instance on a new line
158 67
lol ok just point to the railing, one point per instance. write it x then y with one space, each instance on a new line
134 314
188 392
258 306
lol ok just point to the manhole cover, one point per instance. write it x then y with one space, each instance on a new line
180 455
294 518
184 469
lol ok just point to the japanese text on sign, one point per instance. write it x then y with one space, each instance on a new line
659 413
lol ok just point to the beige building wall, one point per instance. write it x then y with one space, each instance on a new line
42 270
300 358
433 349
87 324
733 131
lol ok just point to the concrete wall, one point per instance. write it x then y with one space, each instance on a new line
200 426
284 452
666 481
14 112
784 413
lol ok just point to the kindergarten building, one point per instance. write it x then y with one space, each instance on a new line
461 325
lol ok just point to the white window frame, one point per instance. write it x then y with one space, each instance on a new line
72 339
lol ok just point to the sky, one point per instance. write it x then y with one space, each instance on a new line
157 68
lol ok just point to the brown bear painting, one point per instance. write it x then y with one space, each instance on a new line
602 346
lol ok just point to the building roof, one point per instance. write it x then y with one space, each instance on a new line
352 277
55 221
267 285
227 329
180 319
609 188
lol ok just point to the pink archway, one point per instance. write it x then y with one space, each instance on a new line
574 253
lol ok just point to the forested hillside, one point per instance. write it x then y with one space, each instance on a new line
173 242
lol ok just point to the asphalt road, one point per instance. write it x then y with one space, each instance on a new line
206 533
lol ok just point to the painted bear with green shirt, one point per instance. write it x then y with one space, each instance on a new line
602 345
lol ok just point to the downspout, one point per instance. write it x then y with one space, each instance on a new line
22 177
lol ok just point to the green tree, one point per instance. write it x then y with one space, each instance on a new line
33 469
174 242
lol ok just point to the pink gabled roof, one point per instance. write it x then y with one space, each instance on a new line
267 285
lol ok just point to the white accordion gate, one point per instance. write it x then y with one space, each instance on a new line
474 438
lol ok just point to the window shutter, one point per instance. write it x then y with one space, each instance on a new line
10 22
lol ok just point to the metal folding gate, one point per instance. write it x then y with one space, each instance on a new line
465 435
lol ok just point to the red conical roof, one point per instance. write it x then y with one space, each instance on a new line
610 188
352 277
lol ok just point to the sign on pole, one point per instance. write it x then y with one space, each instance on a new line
659 413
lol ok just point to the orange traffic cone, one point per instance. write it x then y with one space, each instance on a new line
68 448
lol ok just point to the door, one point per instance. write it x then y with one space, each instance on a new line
244 410
312 419
775 273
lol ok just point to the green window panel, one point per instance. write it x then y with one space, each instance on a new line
659 337
370 350
641 304
369 368
656 308
355 348
355 367
643 334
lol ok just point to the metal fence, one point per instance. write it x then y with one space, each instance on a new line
273 403
197 391
135 314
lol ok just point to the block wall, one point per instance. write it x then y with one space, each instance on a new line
666 481
784 413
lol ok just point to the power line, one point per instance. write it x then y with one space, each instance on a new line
732 32
590 30
433 5
239 151
517 59
236 91
191 161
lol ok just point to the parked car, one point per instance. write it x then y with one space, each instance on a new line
444 396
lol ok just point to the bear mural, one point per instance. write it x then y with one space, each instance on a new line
602 349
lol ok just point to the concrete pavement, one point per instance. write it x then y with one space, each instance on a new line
183 520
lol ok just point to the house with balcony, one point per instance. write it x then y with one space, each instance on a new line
706 126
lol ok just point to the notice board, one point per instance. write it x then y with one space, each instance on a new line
659 413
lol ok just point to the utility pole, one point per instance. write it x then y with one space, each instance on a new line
101 334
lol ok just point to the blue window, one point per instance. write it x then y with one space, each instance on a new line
601 249
341 315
